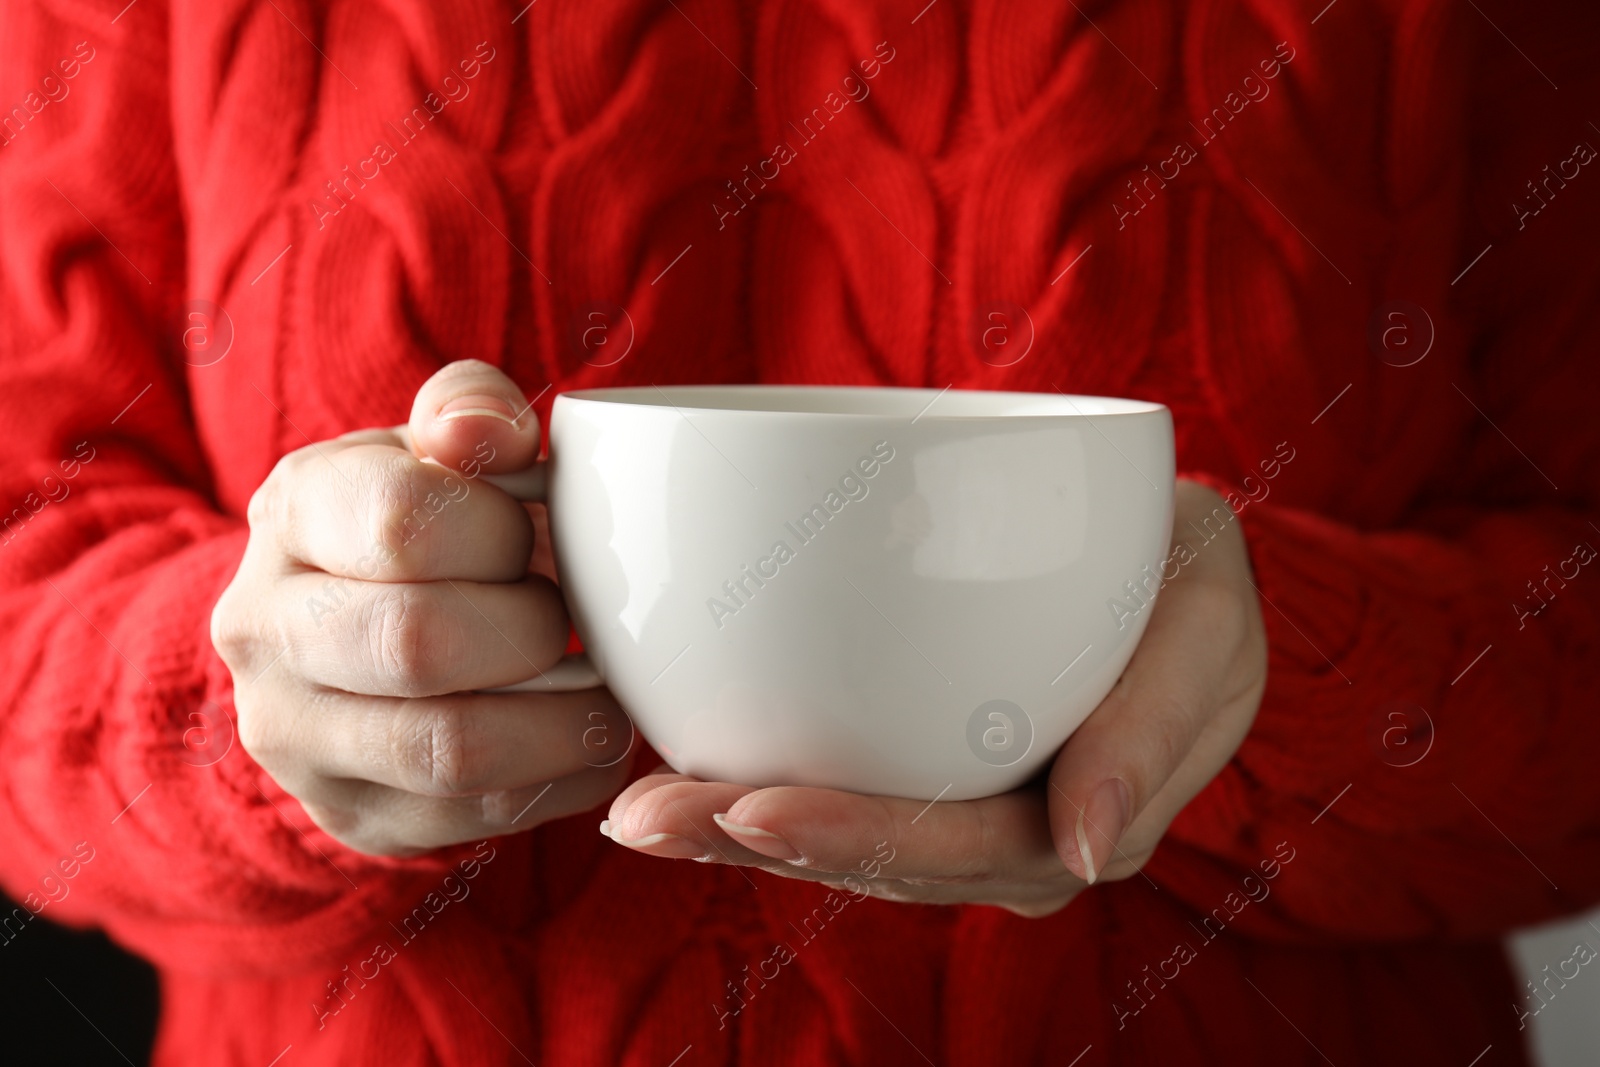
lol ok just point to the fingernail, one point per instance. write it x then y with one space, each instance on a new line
1106 816
605 827
483 404
667 846
758 840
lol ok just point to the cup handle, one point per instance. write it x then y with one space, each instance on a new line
530 485
575 671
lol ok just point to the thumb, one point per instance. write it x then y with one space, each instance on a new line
1110 769
1138 741
1178 713
471 416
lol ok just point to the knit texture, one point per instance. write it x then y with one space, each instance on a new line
372 188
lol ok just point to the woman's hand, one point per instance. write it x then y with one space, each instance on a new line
1175 718
377 594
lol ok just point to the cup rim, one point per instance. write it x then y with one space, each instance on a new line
918 404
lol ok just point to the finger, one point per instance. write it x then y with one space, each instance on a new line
1025 876
1136 740
450 746
390 822
662 775
471 417
423 638
650 816
830 834
995 839
379 514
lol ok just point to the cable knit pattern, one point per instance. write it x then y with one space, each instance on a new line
371 188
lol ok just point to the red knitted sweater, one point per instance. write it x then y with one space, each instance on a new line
1214 204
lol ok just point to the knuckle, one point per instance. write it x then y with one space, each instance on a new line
410 645
344 824
242 638
984 845
971 851
658 808
231 635
1177 718
260 511
968 852
268 501
366 820
398 518
442 750
262 507
1159 752
257 734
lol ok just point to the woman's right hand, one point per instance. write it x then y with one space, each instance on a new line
378 595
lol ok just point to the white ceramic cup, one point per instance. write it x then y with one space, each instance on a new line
901 592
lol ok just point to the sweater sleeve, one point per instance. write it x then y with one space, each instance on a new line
125 800
1425 750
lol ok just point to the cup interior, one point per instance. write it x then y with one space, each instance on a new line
920 404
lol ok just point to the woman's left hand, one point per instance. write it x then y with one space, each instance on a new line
1172 722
